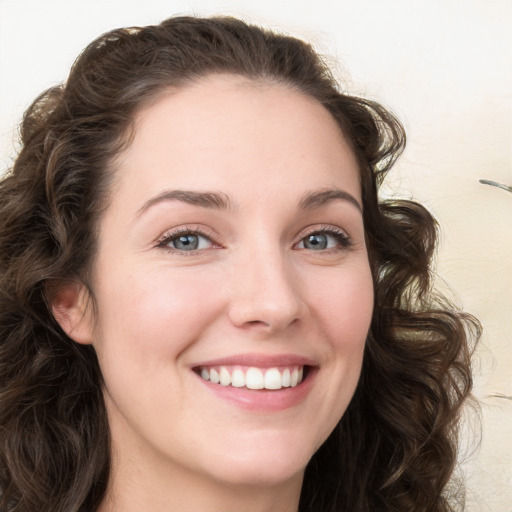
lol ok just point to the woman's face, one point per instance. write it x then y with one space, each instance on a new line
233 249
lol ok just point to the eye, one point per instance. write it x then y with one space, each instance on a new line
185 241
324 240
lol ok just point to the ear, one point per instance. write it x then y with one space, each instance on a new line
71 309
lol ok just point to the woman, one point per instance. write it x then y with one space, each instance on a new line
203 303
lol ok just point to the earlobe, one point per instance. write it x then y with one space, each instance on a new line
70 307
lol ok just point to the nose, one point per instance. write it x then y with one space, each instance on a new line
264 293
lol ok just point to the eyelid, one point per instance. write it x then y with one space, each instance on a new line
170 234
161 242
345 239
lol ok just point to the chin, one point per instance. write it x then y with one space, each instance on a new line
264 474
265 463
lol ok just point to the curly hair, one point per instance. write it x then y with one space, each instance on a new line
395 447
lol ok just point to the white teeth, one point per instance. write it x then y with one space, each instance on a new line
238 379
273 379
214 376
254 378
225 378
286 378
294 378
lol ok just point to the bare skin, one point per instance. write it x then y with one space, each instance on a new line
234 241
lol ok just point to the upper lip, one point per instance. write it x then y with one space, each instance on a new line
259 360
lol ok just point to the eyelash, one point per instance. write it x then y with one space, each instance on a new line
164 241
341 237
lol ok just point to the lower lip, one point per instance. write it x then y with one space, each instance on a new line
264 400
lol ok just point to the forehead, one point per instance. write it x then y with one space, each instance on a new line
230 132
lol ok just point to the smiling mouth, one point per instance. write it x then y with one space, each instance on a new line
252 377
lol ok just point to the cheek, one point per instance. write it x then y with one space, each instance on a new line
158 315
344 302
342 305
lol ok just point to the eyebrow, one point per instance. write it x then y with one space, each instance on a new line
322 197
221 201
215 200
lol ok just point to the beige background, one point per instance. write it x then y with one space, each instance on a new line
445 67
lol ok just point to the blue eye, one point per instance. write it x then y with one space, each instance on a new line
322 240
317 242
186 242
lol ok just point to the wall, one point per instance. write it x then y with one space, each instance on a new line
443 67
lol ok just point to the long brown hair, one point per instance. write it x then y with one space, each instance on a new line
395 447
